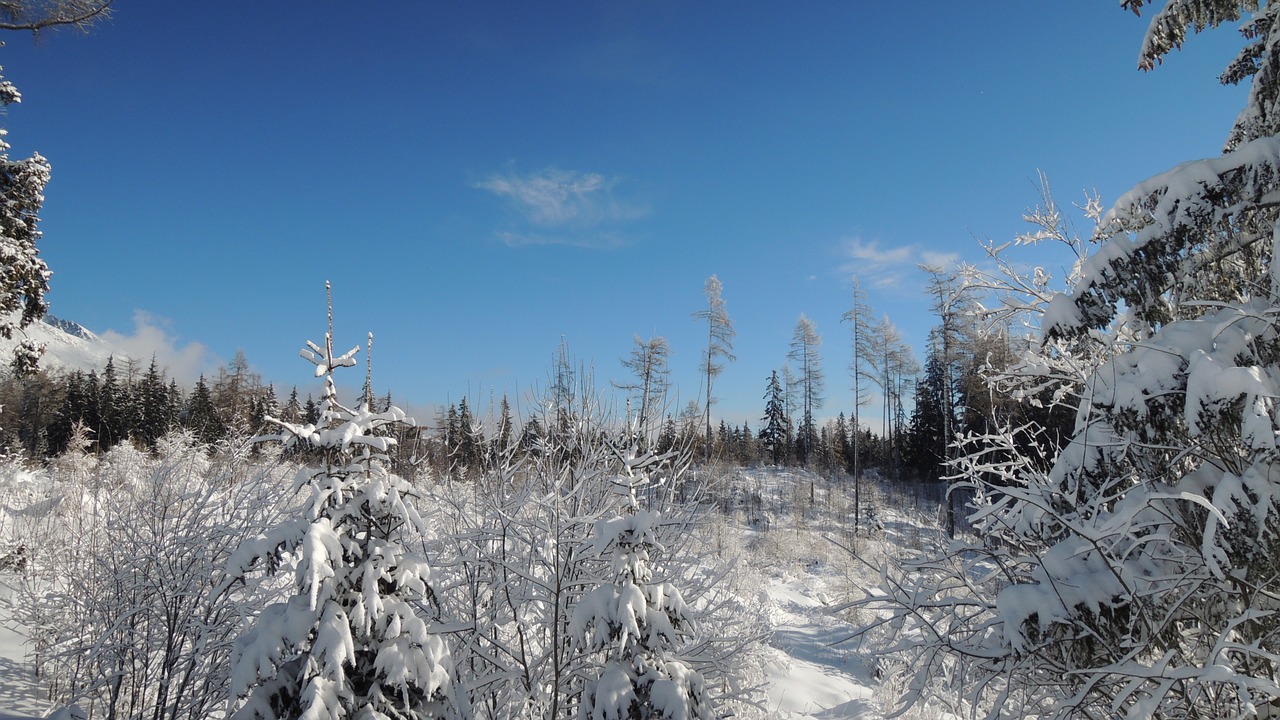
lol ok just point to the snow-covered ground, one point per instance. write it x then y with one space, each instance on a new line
20 693
809 677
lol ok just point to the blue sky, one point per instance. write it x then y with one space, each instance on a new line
480 180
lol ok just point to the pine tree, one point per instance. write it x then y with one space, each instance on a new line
354 640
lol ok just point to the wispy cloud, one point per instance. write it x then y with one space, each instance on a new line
887 267
939 260
563 207
598 240
871 256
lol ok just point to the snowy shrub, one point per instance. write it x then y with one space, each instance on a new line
636 623
1135 572
359 637
122 603
520 555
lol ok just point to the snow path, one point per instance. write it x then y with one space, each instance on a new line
20 694
810 678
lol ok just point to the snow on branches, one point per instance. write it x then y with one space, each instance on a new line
356 639
1135 572
24 277
636 624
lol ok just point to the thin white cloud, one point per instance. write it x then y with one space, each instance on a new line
152 336
601 240
946 261
888 267
870 255
554 197
563 207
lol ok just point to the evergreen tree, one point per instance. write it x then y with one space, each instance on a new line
173 408
926 452
1137 567
310 411
668 438
747 450
202 416
292 410
152 398
25 278
70 412
502 440
112 401
469 439
635 624
775 436
356 639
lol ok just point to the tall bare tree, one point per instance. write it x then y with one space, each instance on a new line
862 329
953 303
651 378
719 345
811 381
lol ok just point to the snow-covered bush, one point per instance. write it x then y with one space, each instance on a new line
636 624
120 593
1136 572
519 555
359 637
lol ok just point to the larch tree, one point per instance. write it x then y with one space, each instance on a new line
862 327
719 350
650 381
953 303
811 382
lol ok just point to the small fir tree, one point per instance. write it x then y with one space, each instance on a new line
356 639
636 623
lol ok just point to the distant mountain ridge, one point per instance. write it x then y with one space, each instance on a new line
67 345
70 327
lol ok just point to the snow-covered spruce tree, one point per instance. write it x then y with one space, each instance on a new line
24 278
1136 573
356 640
635 623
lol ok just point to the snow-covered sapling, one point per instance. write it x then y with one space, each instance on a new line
636 624
356 639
